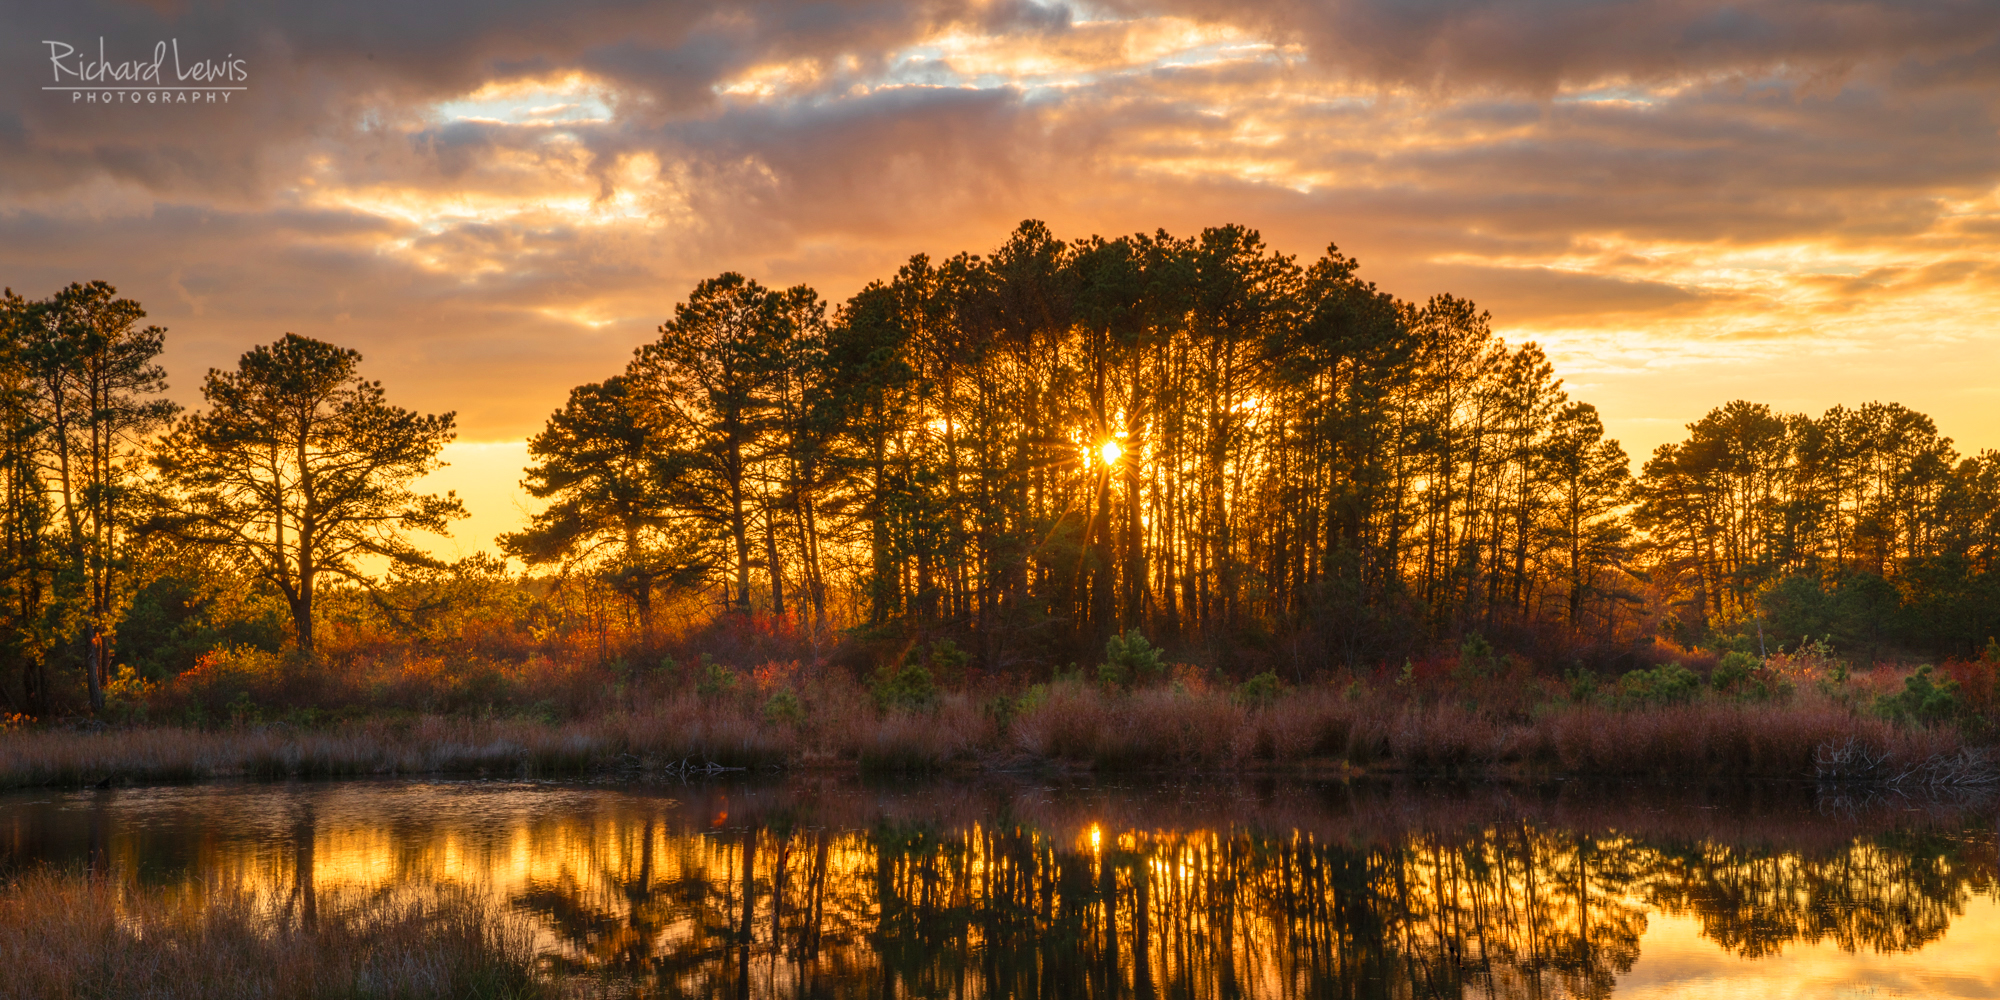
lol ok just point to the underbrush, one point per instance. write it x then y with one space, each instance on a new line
71 935
1479 712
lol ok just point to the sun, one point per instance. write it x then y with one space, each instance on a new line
1109 451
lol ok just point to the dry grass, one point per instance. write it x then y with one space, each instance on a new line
676 729
70 936
1524 724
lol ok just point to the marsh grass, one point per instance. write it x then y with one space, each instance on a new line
1505 718
69 935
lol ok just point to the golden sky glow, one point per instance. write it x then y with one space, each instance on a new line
1683 203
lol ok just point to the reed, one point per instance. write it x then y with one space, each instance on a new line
69 935
774 717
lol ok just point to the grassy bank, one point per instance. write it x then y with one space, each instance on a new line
66 935
1066 724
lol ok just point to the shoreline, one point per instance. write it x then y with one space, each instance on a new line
1316 733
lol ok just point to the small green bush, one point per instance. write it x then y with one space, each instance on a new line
1476 660
784 708
910 687
1582 684
1668 684
715 680
1735 669
1924 699
1003 709
1746 677
126 695
1261 689
948 662
1130 658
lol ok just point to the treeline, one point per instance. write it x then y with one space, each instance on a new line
1863 524
1236 453
1254 461
1201 439
126 520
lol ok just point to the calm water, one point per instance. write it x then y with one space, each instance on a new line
991 888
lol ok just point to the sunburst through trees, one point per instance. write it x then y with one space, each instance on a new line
1212 442
1254 461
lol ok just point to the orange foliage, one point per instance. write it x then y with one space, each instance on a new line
1975 681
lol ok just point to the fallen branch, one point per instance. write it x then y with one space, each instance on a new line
1853 760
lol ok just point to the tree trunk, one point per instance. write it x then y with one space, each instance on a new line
738 527
771 558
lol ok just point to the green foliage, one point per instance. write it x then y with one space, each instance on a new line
1110 675
1581 684
1261 689
1668 684
1129 658
1925 699
126 694
909 686
784 708
716 680
1476 660
1003 708
177 616
1733 670
948 662
1855 611
1746 676
1991 654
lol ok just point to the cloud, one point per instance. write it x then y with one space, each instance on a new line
495 202
1543 46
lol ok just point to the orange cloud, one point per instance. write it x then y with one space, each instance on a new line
1684 202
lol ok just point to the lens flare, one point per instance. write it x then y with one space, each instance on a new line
1109 451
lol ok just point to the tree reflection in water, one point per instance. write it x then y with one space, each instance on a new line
823 887
1002 908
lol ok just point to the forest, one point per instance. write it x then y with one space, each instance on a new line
1197 450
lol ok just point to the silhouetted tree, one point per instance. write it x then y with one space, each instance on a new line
302 467
711 378
606 468
93 379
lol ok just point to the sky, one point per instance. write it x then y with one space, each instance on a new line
1795 202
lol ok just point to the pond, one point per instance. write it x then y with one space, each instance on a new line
1038 887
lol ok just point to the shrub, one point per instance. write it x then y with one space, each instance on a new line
1668 684
1976 682
1748 677
1130 658
717 681
1923 699
784 708
1261 689
909 687
1003 709
1581 684
1734 669
948 662
1476 660
125 697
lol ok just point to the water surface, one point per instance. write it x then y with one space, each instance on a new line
821 886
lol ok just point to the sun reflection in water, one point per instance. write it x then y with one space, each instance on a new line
805 903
